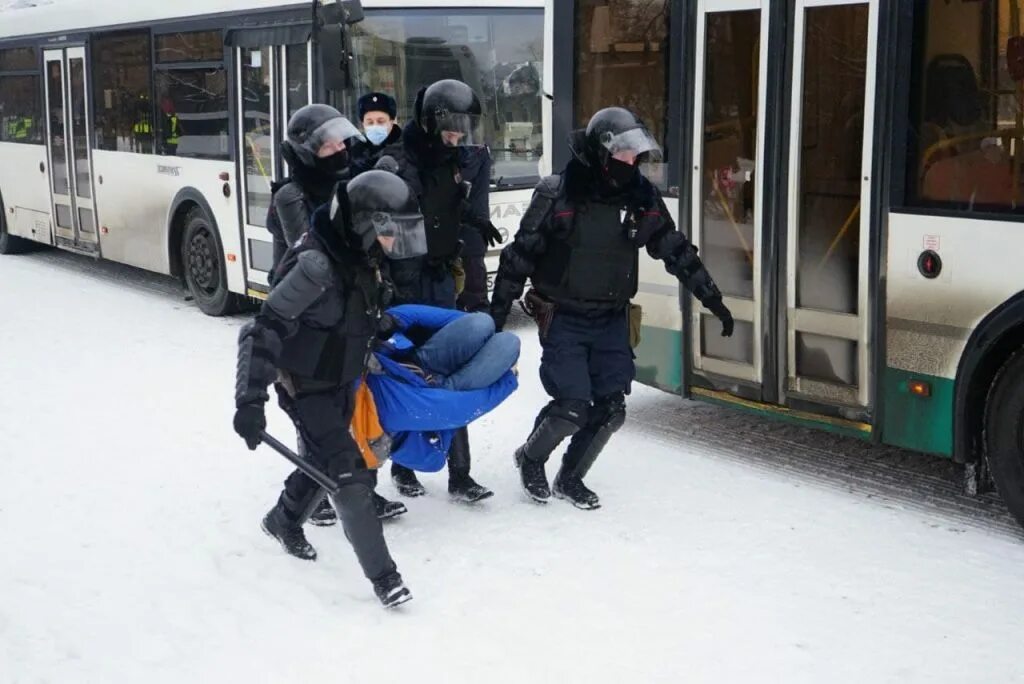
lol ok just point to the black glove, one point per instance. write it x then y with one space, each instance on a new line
386 163
250 421
722 313
387 326
492 236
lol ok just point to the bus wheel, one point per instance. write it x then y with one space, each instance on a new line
9 244
1004 433
203 263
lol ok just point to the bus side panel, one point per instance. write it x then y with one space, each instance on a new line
659 358
24 187
134 203
928 322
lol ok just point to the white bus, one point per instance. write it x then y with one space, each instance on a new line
147 133
853 174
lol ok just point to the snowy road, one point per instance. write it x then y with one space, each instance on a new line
729 549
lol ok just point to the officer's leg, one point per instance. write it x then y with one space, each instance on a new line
474 296
565 375
325 429
611 372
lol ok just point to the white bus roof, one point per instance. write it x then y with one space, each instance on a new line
68 16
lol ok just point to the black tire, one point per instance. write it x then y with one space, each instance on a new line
10 244
1004 433
202 263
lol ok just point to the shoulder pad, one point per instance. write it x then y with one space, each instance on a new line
550 186
288 193
316 266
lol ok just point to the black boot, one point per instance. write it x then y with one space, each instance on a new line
406 482
324 515
462 487
290 535
388 509
571 488
391 590
533 477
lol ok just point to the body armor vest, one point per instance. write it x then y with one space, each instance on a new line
590 262
336 336
441 205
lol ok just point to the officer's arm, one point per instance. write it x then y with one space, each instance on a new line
260 341
657 231
479 193
519 259
292 213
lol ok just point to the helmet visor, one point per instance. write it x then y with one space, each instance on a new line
402 236
332 135
636 141
461 130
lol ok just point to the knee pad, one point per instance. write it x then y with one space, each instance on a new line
609 412
575 411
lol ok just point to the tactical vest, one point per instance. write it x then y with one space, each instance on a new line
441 205
590 262
337 353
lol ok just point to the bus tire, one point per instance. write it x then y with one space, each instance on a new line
203 269
9 244
1004 433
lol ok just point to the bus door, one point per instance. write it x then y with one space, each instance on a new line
777 212
68 143
273 83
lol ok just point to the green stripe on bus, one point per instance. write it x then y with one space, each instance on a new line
913 422
659 358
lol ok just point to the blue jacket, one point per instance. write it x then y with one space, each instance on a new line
421 418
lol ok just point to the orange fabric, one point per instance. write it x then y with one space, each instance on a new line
366 424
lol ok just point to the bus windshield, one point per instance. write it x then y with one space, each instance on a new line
498 52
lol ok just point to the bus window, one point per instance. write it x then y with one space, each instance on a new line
297 77
122 87
622 60
191 95
21 115
498 52
257 132
967 120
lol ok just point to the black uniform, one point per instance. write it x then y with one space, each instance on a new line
583 259
365 154
475 165
313 336
433 170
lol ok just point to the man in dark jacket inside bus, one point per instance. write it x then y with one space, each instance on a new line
579 245
447 120
313 339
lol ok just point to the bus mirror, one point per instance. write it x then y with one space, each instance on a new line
335 43
1015 57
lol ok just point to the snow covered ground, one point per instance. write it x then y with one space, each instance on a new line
129 514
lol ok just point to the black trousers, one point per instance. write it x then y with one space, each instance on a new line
322 420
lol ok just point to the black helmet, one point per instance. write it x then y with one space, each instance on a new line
613 130
382 208
310 129
452 106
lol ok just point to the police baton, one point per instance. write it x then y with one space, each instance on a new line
317 475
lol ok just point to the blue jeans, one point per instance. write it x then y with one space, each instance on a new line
467 354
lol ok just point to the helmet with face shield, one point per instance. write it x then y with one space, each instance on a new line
452 111
381 208
617 142
317 132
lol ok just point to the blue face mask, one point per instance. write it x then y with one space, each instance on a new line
377 134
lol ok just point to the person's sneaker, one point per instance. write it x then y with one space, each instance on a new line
324 515
387 509
575 492
290 535
464 489
406 482
391 590
533 477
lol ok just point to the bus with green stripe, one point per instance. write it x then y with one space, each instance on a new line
851 172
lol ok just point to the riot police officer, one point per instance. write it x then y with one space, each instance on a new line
313 336
447 120
582 258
